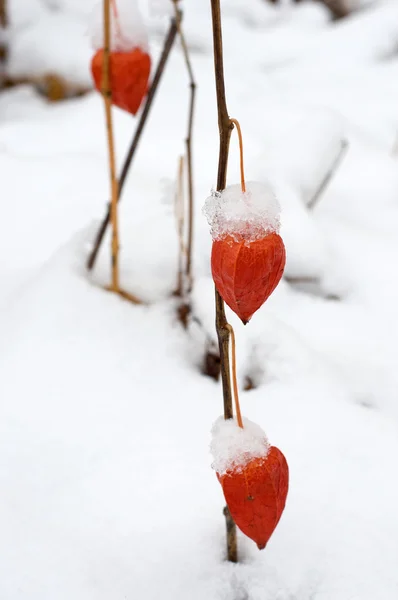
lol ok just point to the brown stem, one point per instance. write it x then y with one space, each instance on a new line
107 94
232 540
180 218
225 128
168 44
188 144
242 164
3 46
234 377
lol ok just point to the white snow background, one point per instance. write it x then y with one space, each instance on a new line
106 486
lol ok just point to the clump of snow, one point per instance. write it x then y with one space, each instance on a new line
233 447
246 215
128 29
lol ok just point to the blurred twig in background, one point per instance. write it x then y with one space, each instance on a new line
3 42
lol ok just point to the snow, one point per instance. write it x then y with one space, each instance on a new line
128 29
105 416
233 447
160 8
249 214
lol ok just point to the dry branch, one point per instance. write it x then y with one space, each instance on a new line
225 128
179 210
3 44
188 143
107 95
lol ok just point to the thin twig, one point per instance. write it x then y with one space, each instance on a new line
329 175
168 44
234 377
107 94
242 162
188 143
3 45
225 128
3 13
180 222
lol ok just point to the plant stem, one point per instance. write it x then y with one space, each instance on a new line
188 143
242 164
107 94
3 46
225 128
180 221
168 44
234 377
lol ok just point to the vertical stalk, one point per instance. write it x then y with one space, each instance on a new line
107 94
3 45
225 127
188 144
179 206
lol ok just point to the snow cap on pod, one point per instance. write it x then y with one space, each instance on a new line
233 447
247 216
128 29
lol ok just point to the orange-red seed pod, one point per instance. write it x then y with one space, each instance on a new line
129 75
256 495
246 274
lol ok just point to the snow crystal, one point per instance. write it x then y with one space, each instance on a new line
233 447
243 215
128 29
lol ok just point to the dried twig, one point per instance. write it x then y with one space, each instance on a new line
168 44
188 143
3 45
107 95
225 128
329 175
179 209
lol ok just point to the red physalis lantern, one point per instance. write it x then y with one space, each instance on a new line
256 495
246 274
129 61
129 73
248 255
254 477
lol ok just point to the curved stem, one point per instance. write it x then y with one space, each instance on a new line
242 167
234 377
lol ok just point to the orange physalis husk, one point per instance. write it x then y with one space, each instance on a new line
256 495
129 74
246 273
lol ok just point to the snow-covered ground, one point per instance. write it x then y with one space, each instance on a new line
107 490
